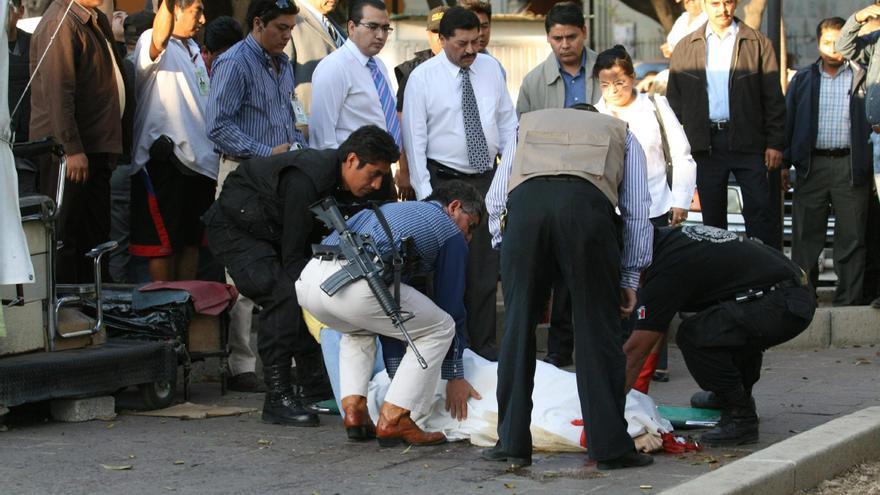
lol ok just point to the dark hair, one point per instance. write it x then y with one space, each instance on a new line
616 56
478 7
565 13
458 18
182 4
269 10
356 9
584 106
371 144
221 33
134 25
833 23
470 197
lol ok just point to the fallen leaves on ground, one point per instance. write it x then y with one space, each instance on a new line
121 467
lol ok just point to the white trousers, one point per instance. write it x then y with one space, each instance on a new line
241 357
355 312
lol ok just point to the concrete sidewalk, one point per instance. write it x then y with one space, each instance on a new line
799 390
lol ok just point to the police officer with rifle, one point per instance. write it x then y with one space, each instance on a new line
346 287
261 229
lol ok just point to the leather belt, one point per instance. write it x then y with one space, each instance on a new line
224 156
719 125
448 172
836 152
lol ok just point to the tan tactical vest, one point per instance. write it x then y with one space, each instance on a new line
580 143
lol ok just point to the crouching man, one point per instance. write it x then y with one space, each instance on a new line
747 297
439 229
261 229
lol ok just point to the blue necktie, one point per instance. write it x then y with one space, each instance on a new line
392 123
477 149
334 35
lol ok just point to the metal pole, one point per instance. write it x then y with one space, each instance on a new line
777 195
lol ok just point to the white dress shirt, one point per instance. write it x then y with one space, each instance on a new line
684 25
172 99
643 123
344 97
719 58
433 126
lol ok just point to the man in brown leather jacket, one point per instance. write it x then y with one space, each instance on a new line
733 112
78 97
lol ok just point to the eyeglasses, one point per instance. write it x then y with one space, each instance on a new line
372 26
279 5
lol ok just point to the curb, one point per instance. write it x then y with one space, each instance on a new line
798 463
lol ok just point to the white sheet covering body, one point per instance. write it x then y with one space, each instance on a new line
555 401
15 259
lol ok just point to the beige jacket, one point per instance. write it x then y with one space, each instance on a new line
543 86
309 44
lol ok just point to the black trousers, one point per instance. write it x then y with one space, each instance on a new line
565 227
560 335
481 282
723 345
83 219
255 267
713 172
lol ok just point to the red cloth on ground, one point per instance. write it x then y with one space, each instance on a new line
209 298
647 373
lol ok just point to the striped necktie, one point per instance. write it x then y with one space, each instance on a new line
334 35
477 149
392 123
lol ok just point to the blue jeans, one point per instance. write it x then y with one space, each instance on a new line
330 348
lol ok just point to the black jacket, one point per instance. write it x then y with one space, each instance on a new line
802 123
255 195
757 107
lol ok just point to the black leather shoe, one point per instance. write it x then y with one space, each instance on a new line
628 460
738 426
280 406
245 382
558 360
496 454
661 376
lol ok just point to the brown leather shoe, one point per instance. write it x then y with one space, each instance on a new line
396 427
358 424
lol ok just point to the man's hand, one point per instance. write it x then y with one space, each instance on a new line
627 301
281 148
772 158
786 179
78 168
867 13
679 215
405 191
458 391
163 25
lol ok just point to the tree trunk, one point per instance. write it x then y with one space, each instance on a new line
665 14
754 13
662 11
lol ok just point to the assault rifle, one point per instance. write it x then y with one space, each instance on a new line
362 261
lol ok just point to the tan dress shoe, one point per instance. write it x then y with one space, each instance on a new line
396 427
358 425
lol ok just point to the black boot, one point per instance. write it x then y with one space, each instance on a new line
738 425
280 406
310 378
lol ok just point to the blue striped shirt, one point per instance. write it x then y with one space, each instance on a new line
249 108
442 250
634 205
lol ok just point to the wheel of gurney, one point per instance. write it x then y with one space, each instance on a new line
158 395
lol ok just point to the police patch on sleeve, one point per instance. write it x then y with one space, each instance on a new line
706 233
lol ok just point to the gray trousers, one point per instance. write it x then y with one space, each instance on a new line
828 184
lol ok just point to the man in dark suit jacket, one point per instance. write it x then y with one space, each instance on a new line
315 36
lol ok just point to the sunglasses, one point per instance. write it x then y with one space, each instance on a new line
279 4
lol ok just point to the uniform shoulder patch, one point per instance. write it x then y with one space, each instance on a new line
706 233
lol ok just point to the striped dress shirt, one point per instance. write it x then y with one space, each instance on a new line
834 122
634 205
442 250
250 107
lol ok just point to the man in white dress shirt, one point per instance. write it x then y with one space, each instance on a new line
354 86
459 117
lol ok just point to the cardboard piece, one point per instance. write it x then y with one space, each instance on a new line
188 410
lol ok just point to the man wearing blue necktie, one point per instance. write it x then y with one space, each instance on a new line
355 87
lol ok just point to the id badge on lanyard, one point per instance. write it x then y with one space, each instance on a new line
299 113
